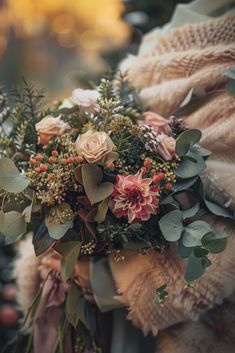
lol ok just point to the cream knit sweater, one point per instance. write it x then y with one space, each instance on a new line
165 70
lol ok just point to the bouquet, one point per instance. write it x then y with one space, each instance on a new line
99 173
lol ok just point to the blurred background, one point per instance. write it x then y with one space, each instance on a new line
60 45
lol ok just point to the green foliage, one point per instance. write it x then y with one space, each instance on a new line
42 240
230 86
171 225
70 251
59 219
10 178
71 310
12 225
95 189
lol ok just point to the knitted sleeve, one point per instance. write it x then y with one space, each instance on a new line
138 277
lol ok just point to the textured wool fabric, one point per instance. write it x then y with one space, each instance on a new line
26 273
193 57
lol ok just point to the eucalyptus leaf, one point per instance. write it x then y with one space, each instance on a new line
95 189
190 212
41 240
194 268
69 261
71 312
184 184
59 219
171 225
28 210
200 252
230 86
10 178
183 251
185 140
102 210
197 149
12 226
230 73
194 232
213 207
188 168
215 242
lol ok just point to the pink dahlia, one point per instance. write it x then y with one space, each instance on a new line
134 198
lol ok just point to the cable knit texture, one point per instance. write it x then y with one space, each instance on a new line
193 57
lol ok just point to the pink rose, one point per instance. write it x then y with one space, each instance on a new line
96 147
166 148
49 127
159 123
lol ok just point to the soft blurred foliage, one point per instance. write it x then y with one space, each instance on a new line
60 44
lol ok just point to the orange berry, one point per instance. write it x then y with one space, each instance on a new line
64 161
168 186
70 160
110 165
43 167
39 157
51 176
51 160
54 153
147 163
32 161
37 169
79 159
161 176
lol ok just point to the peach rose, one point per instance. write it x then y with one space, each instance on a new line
49 127
159 123
96 147
166 148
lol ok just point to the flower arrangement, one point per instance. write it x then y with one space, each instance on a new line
98 173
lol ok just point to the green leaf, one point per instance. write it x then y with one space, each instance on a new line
194 268
41 240
71 312
59 219
190 212
206 262
96 191
28 210
12 225
183 251
215 242
69 259
230 86
189 168
230 74
102 210
171 225
10 178
185 140
213 207
219 210
197 149
185 184
200 252
194 232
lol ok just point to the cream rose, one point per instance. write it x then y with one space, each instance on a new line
86 98
96 147
49 127
159 123
166 148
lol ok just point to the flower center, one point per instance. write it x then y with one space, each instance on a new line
135 196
